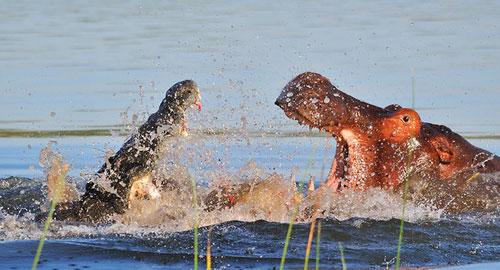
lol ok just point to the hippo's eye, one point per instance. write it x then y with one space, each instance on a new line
406 118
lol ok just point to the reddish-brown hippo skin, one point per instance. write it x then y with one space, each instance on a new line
455 156
373 143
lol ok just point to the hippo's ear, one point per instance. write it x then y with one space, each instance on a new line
393 108
444 149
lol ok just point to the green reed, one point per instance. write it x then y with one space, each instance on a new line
407 178
317 244
295 206
412 71
342 259
405 192
311 231
209 254
195 206
60 184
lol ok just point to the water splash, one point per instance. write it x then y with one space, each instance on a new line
54 163
269 196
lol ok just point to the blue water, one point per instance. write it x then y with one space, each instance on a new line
86 63
90 67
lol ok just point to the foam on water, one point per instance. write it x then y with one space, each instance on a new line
271 199
269 196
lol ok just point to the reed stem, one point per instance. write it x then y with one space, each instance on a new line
342 259
60 184
317 244
311 231
195 206
209 255
405 193
407 179
295 206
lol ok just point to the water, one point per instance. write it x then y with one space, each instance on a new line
87 69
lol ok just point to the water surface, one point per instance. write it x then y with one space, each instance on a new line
77 74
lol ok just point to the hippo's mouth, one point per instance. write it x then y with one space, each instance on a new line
303 119
314 102
345 140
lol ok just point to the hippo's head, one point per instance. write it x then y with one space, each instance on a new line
455 156
311 100
373 143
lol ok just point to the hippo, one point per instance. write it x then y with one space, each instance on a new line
126 175
373 144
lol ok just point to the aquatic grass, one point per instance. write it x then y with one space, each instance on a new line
209 255
325 156
476 174
311 231
318 237
405 193
195 208
342 259
412 71
407 178
60 184
295 206
112 131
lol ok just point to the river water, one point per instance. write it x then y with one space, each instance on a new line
85 74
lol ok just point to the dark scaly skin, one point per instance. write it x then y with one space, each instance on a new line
373 142
136 158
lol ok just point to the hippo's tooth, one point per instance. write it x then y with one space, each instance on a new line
310 185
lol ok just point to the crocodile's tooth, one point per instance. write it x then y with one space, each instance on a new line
184 128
